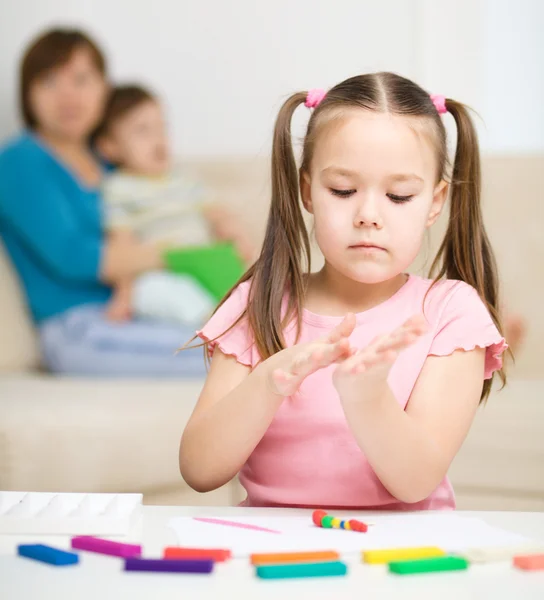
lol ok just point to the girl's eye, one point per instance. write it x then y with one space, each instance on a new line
342 193
399 199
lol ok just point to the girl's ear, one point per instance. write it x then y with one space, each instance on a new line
305 191
439 199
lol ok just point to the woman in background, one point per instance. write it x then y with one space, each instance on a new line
51 223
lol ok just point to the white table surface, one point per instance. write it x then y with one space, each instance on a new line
100 578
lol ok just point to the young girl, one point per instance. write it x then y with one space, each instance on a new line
354 387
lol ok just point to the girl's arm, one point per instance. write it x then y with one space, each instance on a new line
233 412
238 404
411 450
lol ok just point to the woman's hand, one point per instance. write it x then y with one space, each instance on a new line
365 371
291 366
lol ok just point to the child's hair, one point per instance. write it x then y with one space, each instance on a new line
121 101
465 253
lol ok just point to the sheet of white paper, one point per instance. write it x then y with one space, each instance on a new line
448 531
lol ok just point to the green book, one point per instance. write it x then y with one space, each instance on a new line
428 565
216 267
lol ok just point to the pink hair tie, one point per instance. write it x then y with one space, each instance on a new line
439 103
314 98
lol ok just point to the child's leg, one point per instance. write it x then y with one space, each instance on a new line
171 298
120 306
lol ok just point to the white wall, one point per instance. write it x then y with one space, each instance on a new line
225 67
513 102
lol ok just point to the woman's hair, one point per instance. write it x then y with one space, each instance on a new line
465 253
50 51
121 101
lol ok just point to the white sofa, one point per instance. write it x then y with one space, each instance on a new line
70 434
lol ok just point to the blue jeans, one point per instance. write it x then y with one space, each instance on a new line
83 342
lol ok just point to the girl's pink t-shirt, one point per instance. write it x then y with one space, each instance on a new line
308 456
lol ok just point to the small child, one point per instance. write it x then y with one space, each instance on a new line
354 387
150 199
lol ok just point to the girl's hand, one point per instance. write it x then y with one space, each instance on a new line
367 369
291 366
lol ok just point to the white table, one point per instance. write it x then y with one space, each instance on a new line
101 578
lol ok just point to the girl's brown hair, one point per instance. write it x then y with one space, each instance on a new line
465 253
50 51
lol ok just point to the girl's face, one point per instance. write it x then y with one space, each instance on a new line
372 190
68 101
